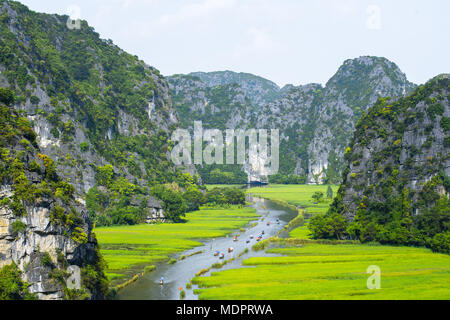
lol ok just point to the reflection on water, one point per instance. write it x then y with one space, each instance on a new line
179 274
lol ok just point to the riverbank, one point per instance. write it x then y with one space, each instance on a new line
178 276
306 269
128 250
295 196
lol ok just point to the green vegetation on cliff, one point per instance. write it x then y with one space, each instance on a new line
398 192
34 184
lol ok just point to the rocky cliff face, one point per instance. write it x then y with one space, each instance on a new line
43 229
400 150
258 90
315 122
90 102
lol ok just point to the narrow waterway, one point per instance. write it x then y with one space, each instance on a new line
180 273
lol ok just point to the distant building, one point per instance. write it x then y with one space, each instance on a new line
153 207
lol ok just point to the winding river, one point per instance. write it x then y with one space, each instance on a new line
180 273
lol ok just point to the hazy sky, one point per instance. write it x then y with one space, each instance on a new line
286 41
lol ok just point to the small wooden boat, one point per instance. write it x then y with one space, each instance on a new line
222 256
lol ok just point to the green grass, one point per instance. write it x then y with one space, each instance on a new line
128 249
300 233
317 271
297 195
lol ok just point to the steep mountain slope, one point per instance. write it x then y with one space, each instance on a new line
396 185
315 122
43 230
90 102
258 90
218 106
347 95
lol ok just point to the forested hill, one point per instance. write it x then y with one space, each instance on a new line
43 229
316 122
90 102
396 184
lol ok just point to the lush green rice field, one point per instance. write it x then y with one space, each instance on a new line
128 249
318 271
300 233
297 195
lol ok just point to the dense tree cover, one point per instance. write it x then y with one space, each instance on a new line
287 179
388 212
115 201
223 174
318 196
11 285
221 196
6 96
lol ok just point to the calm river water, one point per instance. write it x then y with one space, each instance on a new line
180 273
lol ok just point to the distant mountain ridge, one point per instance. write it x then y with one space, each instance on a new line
315 121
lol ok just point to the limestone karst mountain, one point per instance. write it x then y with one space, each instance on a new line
90 102
400 149
315 122
43 229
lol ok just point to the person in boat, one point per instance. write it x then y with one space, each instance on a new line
161 281
251 237
263 232
216 253
222 256
230 250
248 241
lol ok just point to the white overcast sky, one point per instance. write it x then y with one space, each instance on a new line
286 41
